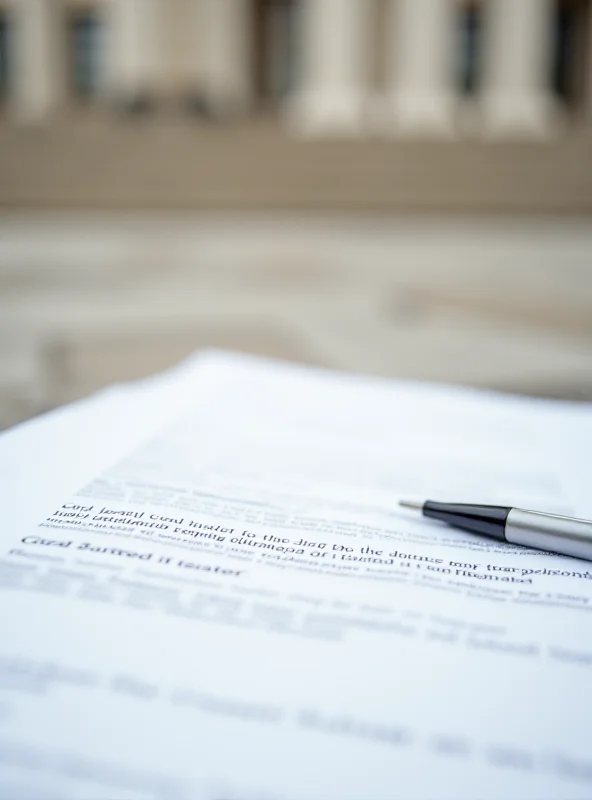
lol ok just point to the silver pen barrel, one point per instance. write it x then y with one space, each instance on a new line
565 535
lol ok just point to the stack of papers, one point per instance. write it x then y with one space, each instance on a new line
208 590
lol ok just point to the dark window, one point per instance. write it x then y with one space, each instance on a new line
275 50
563 48
570 45
86 53
469 48
4 56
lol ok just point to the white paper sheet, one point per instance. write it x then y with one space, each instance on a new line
208 591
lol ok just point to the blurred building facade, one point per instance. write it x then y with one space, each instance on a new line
110 109
337 67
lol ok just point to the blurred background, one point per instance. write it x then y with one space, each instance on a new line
398 187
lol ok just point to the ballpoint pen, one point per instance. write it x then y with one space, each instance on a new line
563 535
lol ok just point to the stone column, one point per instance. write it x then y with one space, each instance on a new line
421 93
223 54
135 52
178 42
517 97
39 73
333 93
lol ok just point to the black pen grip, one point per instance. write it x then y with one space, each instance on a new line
487 520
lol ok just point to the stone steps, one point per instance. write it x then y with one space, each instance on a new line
88 299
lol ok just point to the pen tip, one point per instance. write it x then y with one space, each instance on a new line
411 504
